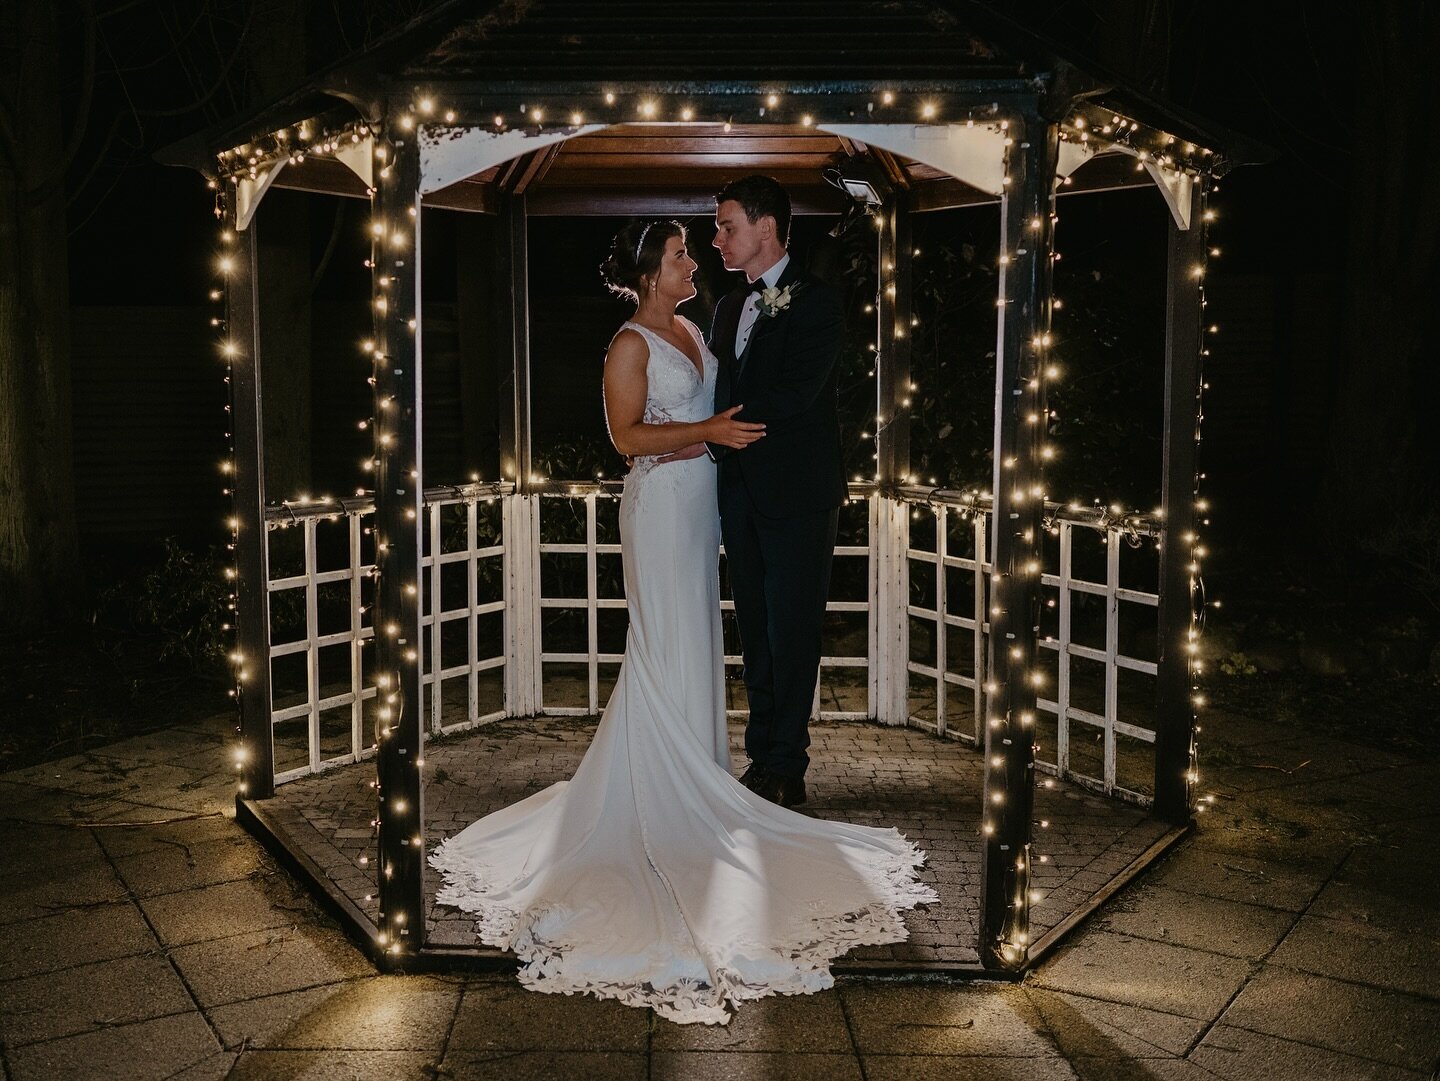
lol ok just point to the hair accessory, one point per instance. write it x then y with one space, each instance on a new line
640 244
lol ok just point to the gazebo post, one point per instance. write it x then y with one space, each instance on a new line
521 508
252 557
399 518
1174 713
1026 254
890 521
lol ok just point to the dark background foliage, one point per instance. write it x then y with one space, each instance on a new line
1326 535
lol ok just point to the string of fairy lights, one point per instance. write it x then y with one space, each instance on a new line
1089 125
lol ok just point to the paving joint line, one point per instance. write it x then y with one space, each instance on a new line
850 1032
1319 1047
164 949
1259 965
463 990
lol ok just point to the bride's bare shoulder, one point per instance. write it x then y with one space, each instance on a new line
628 347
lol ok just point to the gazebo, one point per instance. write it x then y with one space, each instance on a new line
563 107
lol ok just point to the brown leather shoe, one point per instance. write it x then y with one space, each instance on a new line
786 791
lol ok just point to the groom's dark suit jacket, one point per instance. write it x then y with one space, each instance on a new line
786 379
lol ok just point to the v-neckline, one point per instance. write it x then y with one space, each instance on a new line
698 369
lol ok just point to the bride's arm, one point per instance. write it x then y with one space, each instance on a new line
625 392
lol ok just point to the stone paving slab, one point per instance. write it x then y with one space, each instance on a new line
979 1019
794 1024
966 1068
74 936
1199 869
175 868
1352 990
268 962
474 1065
753 1066
44 891
1237 1055
384 1013
180 1045
1396 958
151 829
505 1017
1155 975
87 997
1207 923
210 912
926 787
332 1065
36 849
1340 1016
1096 1028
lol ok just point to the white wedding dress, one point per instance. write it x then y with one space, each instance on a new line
652 876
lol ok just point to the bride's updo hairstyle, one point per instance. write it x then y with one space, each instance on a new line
635 253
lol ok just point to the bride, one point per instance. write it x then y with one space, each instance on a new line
652 876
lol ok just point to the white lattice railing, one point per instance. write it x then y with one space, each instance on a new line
325 725
966 610
592 549
483 662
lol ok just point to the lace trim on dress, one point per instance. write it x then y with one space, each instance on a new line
536 937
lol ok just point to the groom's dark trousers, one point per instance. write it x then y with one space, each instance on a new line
779 505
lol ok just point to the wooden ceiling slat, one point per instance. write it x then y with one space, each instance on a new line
620 202
599 143
647 160
579 177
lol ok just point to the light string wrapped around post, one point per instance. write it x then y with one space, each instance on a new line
219 321
1198 600
1014 677
398 546
237 262
1178 663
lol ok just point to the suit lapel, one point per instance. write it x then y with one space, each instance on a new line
763 327
724 347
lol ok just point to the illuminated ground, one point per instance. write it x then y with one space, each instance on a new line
927 787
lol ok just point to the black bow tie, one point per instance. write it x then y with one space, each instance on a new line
758 286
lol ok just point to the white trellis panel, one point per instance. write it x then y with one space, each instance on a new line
316 701
1110 657
592 604
436 674
969 612
971 617
358 632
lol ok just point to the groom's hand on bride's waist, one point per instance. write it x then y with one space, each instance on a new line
684 454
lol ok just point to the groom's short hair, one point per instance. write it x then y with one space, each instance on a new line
759 197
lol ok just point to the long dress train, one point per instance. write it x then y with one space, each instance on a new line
652 876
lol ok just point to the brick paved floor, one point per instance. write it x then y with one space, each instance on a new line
927 787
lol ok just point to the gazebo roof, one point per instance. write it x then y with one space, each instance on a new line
831 58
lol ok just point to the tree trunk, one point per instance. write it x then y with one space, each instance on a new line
38 546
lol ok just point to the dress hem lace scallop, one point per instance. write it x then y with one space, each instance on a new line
789 968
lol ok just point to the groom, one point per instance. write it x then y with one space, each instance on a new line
778 342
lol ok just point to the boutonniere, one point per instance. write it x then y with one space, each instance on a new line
774 300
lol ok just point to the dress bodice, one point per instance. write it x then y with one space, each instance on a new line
676 390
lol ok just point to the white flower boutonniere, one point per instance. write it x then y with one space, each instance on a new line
774 300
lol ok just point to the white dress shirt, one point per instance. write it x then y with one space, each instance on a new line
751 311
